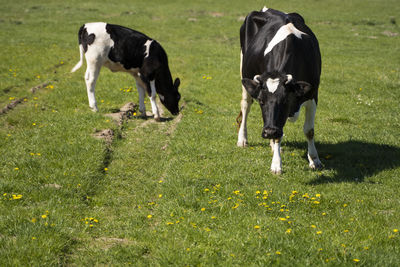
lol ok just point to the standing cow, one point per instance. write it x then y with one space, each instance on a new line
280 68
123 49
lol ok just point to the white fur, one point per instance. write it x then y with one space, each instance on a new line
147 45
272 84
276 164
281 35
153 102
245 105
97 56
265 9
289 78
311 108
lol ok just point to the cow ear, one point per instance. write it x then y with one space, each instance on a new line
177 83
303 88
252 87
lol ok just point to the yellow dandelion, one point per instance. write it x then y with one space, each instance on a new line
282 219
33 238
207 229
278 253
213 217
160 182
44 216
149 216
395 230
33 220
170 223
256 227
288 231
203 209
188 249
346 231
236 206
356 260
258 192
316 202
324 214
318 195
319 232
159 195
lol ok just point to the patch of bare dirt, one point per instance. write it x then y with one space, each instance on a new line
390 34
124 113
106 135
12 105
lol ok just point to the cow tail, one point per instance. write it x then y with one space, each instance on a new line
79 64
81 50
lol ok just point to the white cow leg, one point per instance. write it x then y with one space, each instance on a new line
276 165
141 92
308 129
153 102
245 105
91 75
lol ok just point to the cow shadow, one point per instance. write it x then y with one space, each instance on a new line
351 161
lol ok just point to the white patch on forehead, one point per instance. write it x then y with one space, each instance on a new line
147 45
282 34
264 9
272 84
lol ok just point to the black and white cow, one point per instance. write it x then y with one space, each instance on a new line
280 68
123 49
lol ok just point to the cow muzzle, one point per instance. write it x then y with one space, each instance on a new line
272 133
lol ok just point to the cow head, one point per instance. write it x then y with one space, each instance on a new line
170 99
279 96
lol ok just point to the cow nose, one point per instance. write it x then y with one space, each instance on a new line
272 133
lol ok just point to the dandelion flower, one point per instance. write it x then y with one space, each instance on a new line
356 260
256 227
44 216
319 232
396 230
278 253
149 216
288 231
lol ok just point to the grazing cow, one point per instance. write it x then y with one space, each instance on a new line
123 49
280 68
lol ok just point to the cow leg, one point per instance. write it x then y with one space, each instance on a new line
245 105
153 102
276 165
91 75
141 91
308 129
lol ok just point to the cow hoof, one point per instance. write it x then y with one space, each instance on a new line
95 109
276 171
157 119
316 164
242 143
276 168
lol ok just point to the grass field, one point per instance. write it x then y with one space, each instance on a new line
180 192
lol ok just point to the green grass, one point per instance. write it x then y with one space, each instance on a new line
180 192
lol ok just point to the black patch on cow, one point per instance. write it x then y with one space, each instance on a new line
128 46
85 39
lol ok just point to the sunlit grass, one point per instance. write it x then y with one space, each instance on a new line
180 192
